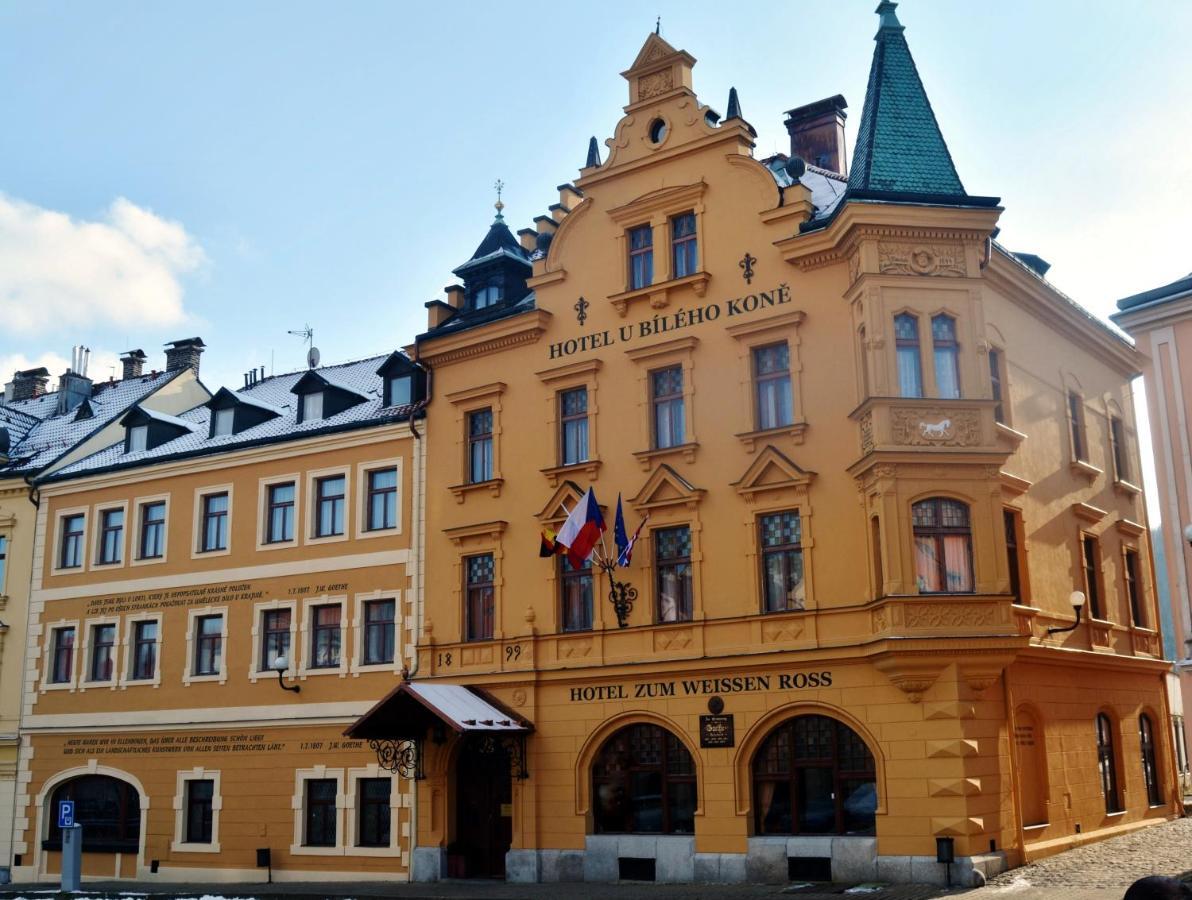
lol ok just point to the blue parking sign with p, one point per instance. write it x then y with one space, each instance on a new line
65 813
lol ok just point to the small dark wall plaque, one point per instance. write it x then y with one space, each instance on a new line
716 731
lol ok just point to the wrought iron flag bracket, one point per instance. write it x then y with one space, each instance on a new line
621 594
403 757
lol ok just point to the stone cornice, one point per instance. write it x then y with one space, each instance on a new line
482 340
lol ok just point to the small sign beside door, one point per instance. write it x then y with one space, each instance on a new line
716 731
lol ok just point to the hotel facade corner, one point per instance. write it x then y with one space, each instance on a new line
881 459
271 528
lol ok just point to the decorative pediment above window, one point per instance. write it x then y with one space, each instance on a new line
1088 512
560 504
666 487
490 531
1129 528
772 471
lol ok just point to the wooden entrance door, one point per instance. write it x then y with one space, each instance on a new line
483 808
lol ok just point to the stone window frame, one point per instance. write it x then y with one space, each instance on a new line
255 673
192 616
60 516
792 498
397 801
656 209
1071 387
306 633
470 400
85 650
676 352
751 336
97 544
128 649
567 377
263 485
311 479
201 495
1022 552
1115 749
1130 486
477 540
138 506
179 844
298 804
51 629
1099 565
1129 536
356 665
6 529
363 470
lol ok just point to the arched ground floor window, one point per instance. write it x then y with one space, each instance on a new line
643 781
814 775
108 809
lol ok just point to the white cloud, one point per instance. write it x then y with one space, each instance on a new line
102 366
59 274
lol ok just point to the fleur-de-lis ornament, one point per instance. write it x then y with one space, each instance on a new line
746 265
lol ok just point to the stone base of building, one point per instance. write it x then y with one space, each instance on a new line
770 860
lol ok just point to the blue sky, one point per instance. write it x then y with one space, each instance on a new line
238 170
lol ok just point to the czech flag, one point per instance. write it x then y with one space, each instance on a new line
582 530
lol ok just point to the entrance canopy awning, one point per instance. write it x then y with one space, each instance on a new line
411 708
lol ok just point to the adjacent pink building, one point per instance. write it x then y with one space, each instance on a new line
1160 321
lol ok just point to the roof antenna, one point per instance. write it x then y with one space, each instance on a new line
499 186
312 353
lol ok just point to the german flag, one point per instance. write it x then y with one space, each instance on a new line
549 546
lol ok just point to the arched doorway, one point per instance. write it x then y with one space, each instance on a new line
1030 755
108 809
643 782
814 775
483 807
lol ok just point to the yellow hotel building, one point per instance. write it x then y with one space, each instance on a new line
271 528
895 584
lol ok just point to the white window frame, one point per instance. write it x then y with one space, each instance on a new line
179 844
192 617
85 681
397 800
307 633
97 544
312 506
362 473
6 536
298 802
196 546
258 615
138 504
230 411
130 631
60 516
263 486
50 629
138 429
306 399
357 666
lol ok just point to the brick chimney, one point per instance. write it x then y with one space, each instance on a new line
133 362
29 383
184 354
817 133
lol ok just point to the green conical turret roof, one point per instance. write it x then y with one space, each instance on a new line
900 149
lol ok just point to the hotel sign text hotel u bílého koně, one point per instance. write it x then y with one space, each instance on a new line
671 322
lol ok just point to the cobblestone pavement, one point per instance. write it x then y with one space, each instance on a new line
1099 871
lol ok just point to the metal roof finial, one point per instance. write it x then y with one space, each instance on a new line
658 26
499 186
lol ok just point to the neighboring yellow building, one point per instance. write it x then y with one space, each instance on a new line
1160 321
40 432
879 454
278 522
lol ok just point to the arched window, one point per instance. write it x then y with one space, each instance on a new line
108 809
643 781
906 343
946 353
814 775
943 546
1150 771
1107 763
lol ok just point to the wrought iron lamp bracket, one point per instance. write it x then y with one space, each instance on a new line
403 757
621 594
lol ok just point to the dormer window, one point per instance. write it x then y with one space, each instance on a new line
489 295
312 406
138 438
400 391
222 422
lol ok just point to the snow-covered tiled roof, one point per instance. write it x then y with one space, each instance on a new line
273 393
55 435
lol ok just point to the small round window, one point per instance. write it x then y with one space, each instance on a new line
657 131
